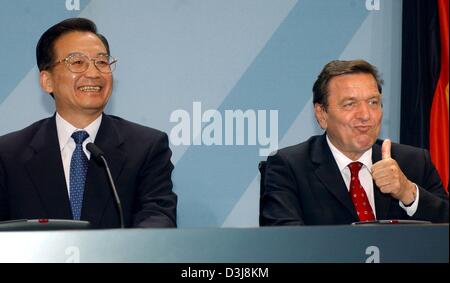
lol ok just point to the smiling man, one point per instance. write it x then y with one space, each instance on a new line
46 170
347 174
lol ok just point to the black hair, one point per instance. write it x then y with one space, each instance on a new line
45 52
337 68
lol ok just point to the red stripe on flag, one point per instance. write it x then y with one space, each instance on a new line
439 145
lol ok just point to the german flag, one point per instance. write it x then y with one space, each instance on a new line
425 78
439 147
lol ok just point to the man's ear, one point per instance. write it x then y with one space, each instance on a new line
46 81
321 115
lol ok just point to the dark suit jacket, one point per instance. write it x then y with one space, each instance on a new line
303 185
32 182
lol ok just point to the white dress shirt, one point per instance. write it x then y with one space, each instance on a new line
67 144
365 176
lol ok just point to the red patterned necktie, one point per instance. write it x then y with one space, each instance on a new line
358 195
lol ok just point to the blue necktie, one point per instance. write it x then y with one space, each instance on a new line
78 170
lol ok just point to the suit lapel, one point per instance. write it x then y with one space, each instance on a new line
328 172
382 201
98 192
45 169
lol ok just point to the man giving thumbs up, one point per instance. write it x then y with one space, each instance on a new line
347 174
390 179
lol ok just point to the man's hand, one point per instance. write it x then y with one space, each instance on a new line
390 179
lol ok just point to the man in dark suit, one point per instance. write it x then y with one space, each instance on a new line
347 175
46 170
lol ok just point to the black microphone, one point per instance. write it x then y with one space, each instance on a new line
98 155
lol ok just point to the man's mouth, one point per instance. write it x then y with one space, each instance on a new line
363 128
90 88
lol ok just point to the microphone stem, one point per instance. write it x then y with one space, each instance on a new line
113 187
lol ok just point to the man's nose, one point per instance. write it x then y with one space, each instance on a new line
363 111
92 71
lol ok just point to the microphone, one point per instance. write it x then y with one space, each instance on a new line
98 155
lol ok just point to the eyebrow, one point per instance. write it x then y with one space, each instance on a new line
78 52
73 53
353 98
375 95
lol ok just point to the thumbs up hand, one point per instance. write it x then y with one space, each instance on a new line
390 178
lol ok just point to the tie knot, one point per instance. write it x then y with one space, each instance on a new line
355 167
80 136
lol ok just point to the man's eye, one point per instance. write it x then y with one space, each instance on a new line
102 63
349 105
77 62
374 102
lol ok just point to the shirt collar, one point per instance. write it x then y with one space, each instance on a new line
343 161
65 130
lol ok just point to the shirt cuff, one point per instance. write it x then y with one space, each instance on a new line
411 209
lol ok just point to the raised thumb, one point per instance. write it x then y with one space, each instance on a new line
386 149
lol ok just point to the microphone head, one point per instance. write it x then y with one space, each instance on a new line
94 150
